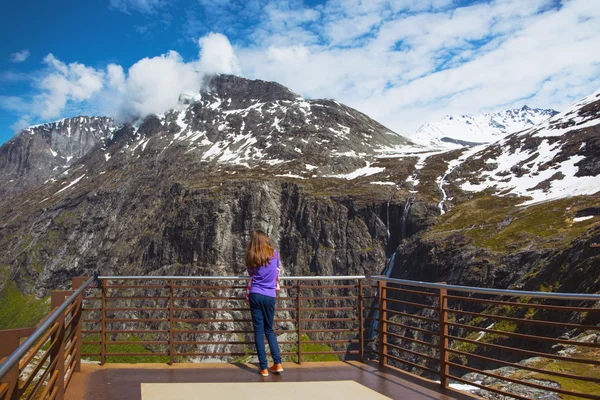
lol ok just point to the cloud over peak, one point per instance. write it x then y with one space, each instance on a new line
19 56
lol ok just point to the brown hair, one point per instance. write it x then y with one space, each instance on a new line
259 250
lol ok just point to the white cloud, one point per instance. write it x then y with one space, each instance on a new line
14 103
153 85
73 82
403 62
21 124
150 86
217 55
19 56
427 59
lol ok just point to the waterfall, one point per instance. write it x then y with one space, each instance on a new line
404 218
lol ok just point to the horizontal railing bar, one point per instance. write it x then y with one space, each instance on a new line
90 354
501 292
136 286
178 287
70 372
526 321
412 328
38 366
199 320
530 352
49 386
411 304
434 321
327 298
3 388
137 354
71 346
233 278
92 343
520 382
233 343
435 346
44 376
37 347
415 353
326 319
114 320
349 330
525 336
108 298
310 287
136 309
193 309
121 342
429 294
525 366
433 371
525 305
14 358
491 389
142 331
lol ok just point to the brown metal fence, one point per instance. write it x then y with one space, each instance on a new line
183 319
543 341
438 331
48 364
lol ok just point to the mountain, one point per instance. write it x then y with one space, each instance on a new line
337 192
45 151
463 130
555 159
178 192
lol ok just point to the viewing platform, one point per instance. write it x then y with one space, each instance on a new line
166 337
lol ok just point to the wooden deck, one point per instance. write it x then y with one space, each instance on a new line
124 381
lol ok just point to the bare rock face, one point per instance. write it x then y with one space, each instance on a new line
46 151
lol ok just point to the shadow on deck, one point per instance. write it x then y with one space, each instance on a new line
124 381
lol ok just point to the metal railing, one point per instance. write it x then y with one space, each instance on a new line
42 365
444 331
438 331
207 317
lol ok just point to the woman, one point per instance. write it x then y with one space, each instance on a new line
262 262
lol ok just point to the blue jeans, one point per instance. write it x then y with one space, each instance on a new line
263 312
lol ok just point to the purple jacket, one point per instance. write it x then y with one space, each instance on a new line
265 278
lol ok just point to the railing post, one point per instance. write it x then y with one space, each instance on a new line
57 354
77 282
103 325
444 369
298 312
361 329
171 322
10 339
382 324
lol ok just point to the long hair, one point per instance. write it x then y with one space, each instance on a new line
259 250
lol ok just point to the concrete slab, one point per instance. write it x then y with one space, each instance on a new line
333 390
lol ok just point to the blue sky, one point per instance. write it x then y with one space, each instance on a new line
403 62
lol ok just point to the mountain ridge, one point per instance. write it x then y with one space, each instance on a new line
455 131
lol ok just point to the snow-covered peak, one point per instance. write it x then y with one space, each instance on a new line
455 131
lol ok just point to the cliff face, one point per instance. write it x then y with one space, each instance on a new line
179 193
46 151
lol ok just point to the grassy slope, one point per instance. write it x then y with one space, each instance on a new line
20 311
500 224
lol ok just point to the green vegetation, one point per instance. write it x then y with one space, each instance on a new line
125 348
307 347
579 369
18 310
499 224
